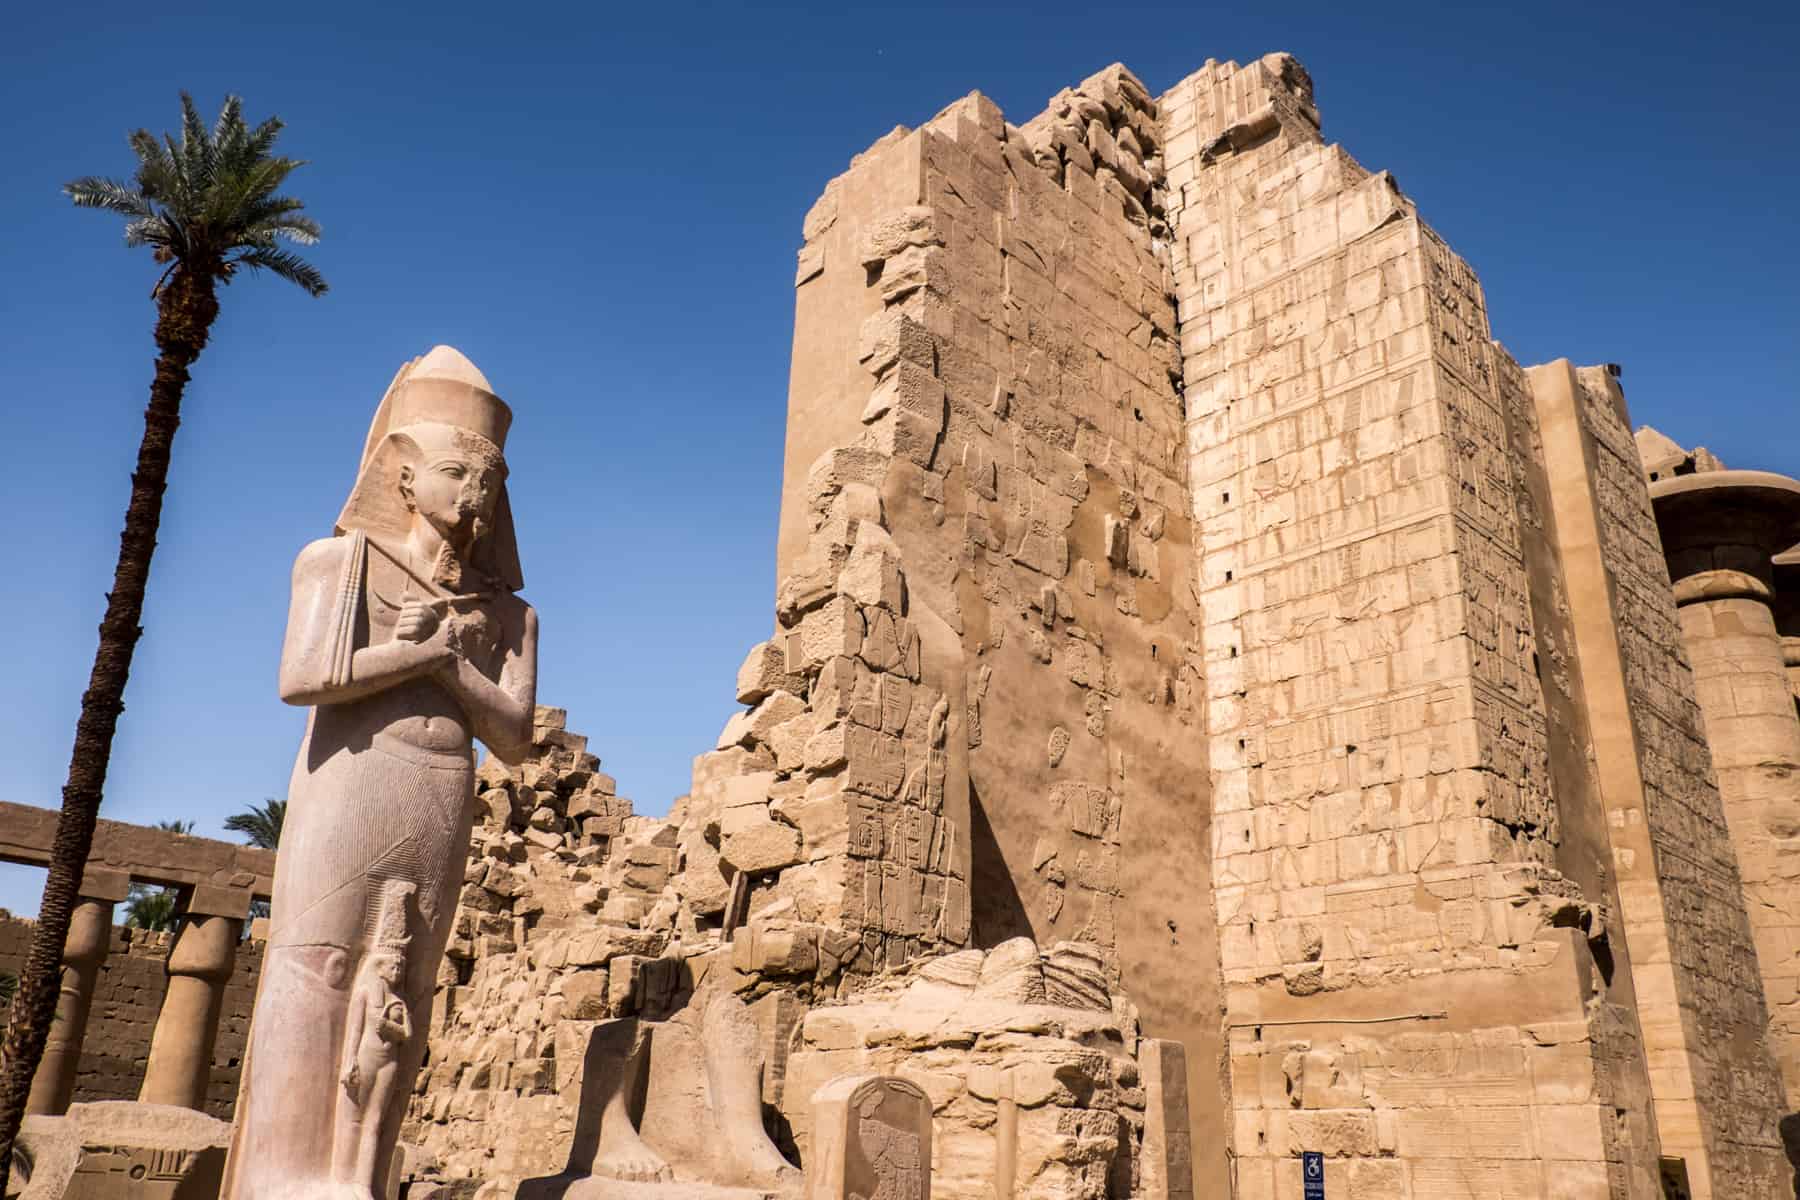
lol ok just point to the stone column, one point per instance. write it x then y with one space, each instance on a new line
1720 531
1787 613
200 963
84 951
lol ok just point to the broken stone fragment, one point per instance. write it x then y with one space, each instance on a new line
892 235
833 629
585 995
910 388
871 575
776 949
1075 976
762 846
789 740
1012 972
744 800
775 709
763 672
893 336
828 749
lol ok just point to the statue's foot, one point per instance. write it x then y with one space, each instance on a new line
631 1160
763 1166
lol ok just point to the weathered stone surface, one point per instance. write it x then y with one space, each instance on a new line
121 1151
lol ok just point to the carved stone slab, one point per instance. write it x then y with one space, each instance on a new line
120 1150
871 1140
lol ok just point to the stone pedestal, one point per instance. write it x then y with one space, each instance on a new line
84 951
1720 531
200 966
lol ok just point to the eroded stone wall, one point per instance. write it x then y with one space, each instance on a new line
1005 291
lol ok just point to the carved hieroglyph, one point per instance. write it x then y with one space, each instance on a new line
406 637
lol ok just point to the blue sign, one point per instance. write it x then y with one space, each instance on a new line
1312 1174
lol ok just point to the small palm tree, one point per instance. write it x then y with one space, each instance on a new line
148 906
207 206
261 823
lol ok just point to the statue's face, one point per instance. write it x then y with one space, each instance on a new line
454 486
390 970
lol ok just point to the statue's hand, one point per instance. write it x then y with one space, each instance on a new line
353 1080
417 622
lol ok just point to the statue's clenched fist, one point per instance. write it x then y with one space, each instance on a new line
418 621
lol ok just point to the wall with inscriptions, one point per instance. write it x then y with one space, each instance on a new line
1682 911
1410 973
1010 307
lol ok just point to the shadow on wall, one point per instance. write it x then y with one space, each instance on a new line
998 911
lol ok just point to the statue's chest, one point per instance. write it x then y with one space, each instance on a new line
475 627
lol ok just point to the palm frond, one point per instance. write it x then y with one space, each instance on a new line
235 190
261 823
301 230
261 140
95 191
149 231
228 130
157 174
289 266
197 151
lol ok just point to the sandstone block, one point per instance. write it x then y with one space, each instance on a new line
762 846
762 672
586 996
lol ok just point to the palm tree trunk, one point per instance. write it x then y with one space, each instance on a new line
185 312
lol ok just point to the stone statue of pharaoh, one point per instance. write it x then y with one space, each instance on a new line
406 639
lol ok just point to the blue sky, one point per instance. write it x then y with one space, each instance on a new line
600 205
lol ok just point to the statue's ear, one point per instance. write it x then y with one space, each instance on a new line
406 454
376 502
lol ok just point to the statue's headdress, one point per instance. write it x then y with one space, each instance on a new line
442 389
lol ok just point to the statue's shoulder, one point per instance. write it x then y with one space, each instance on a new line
515 610
326 554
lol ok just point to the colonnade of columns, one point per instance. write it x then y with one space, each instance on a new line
199 967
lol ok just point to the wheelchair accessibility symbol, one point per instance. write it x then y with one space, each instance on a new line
1312 1174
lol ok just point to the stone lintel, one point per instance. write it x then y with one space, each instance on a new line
104 883
208 900
143 855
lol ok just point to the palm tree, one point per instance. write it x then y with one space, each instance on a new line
207 206
261 823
